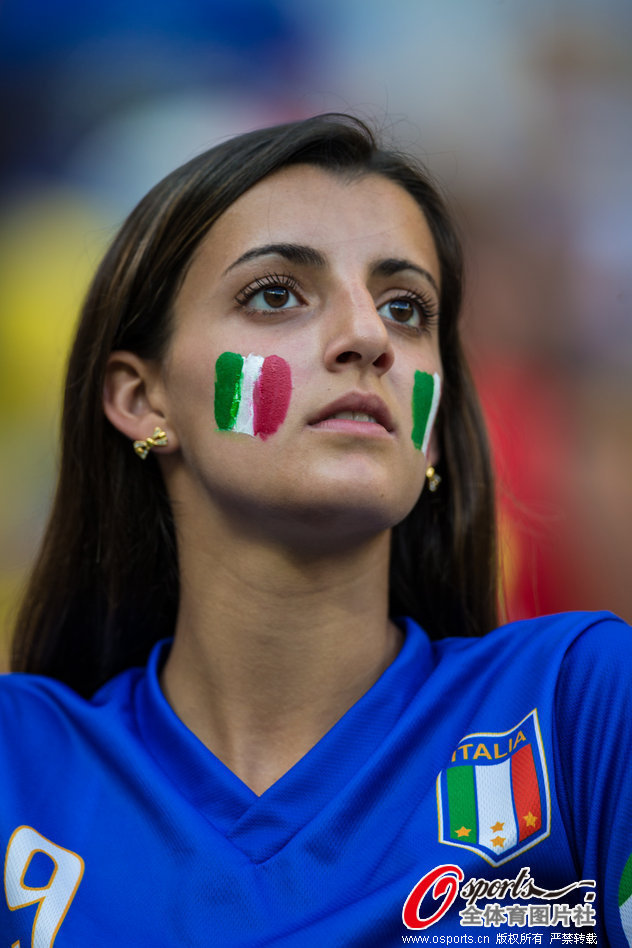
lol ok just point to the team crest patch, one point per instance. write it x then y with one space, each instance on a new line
493 798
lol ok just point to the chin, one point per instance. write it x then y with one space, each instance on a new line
340 518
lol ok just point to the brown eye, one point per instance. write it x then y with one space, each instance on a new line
276 296
268 298
402 310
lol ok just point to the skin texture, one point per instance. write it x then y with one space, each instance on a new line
284 542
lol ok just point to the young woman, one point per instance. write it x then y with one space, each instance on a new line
258 707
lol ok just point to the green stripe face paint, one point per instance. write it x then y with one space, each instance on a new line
426 396
228 370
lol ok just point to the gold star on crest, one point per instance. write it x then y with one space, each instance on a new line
496 828
464 831
530 819
499 841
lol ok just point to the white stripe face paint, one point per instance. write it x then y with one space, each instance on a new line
244 422
434 408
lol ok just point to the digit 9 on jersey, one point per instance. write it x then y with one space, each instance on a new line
54 895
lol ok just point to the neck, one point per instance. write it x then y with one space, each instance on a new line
271 648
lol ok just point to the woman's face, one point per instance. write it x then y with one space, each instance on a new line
303 370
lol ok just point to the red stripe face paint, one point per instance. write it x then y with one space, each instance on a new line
271 396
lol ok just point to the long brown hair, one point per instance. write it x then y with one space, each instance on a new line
105 585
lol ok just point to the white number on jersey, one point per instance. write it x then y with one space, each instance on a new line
55 896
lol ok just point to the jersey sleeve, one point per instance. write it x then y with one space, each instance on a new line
594 766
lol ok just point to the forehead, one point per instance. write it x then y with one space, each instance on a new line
334 213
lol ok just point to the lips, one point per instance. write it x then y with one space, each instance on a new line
357 407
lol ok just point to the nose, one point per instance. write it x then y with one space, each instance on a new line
356 333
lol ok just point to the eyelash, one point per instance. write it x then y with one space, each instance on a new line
265 282
427 306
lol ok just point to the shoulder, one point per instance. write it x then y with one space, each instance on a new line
591 651
593 688
603 645
35 695
593 745
574 667
41 691
564 628
547 642
36 710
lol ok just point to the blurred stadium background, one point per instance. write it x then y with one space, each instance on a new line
522 108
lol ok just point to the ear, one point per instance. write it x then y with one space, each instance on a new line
134 400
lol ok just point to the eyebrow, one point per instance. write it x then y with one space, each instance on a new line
309 256
295 253
394 265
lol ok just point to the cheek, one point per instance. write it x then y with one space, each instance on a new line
252 393
425 404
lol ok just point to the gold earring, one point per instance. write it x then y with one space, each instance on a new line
433 478
142 448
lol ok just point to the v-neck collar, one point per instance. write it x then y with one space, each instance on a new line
261 825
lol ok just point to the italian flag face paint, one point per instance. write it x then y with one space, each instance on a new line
252 393
625 900
426 395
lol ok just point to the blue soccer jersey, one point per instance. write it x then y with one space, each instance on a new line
479 791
